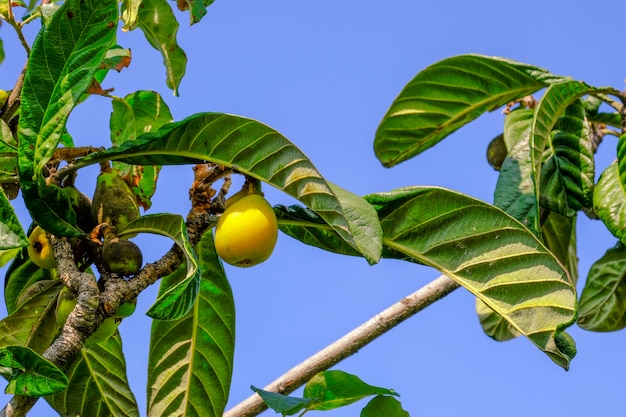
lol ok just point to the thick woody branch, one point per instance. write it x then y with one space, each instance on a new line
348 344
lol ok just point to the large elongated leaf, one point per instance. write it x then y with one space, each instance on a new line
489 253
448 95
515 192
191 359
159 25
65 56
568 173
603 300
11 233
621 160
21 274
573 152
32 375
248 146
139 112
177 300
609 202
33 323
98 385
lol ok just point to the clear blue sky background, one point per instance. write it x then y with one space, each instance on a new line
324 73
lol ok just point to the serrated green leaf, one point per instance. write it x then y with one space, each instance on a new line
283 404
137 113
191 359
98 384
603 299
384 405
551 107
33 323
11 233
178 299
486 251
20 275
609 202
64 57
568 172
251 147
32 375
334 389
156 20
515 191
448 95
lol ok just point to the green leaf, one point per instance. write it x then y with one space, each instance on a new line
32 375
306 226
559 236
486 251
178 299
21 274
191 359
621 160
568 172
11 233
65 55
603 300
8 255
33 323
157 21
98 384
197 9
515 191
251 147
551 107
139 112
384 405
129 14
609 202
447 95
334 389
493 324
283 404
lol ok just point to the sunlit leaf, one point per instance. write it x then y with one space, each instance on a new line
603 300
384 405
98 384
157 21
251 147
489 253
493 324
11 233
609 202
515 192
191 359
33 323
334 389
20 275
178 299
448 95
283 404
32 375
64 58
568 172
137 113
554 104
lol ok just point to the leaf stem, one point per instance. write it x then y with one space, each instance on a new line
348 344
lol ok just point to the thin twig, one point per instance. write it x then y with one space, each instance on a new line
348 344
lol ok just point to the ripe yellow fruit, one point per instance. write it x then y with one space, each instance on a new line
247 231
40 250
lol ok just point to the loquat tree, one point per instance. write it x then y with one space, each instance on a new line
74 273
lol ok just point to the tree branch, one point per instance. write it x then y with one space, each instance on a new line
348 344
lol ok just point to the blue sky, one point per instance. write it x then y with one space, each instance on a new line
323 74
